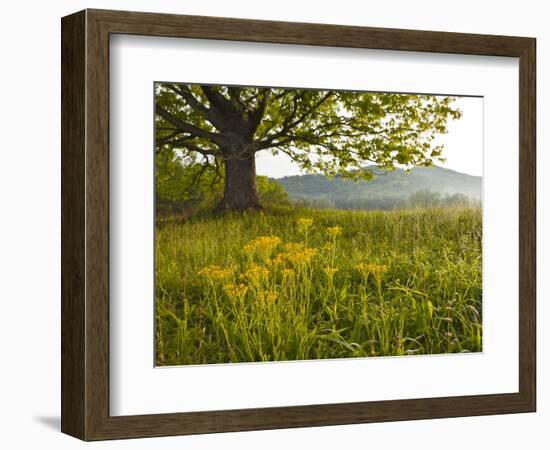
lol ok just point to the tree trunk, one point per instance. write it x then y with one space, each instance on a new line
241 192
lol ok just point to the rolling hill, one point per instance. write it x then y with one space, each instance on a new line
388 190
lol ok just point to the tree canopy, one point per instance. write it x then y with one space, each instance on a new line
219 130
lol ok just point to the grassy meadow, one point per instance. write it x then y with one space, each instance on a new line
296 284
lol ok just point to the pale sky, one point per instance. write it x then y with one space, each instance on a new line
463 145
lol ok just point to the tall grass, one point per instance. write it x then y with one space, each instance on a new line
293 284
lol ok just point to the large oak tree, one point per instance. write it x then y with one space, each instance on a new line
220 129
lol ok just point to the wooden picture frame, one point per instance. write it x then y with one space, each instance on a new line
85 224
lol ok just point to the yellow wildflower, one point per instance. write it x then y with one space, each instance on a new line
267 297
375 269
256 273
279 259
304 224
302 257
335 231
235 290
330 271
287 273
294 247
262 246
216 273
298 254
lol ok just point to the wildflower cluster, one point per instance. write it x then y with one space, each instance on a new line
262 247
287 274
265 264
302 257
256 274
377 270
333 232
304 224
295 254
267 297
234 290
330 272
216 273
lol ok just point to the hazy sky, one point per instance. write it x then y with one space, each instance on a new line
463 145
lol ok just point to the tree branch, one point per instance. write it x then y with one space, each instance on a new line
187 127
217 100
290 122
210 114
161 141
187 95
255 117
184 143
235 95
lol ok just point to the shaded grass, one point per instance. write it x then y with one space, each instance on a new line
379 284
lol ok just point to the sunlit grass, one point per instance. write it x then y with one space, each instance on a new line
294 284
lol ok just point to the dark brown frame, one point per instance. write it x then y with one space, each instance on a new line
85 224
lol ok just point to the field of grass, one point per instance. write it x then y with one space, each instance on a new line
293 284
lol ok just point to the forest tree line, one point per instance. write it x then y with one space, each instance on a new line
179 193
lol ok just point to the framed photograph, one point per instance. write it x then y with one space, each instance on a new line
273 225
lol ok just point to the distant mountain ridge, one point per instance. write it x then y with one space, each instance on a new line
388 187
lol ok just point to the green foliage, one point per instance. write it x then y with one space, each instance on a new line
428 199
350 284
271 193
335 132
184 180
183 185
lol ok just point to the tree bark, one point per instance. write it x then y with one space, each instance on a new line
240 192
